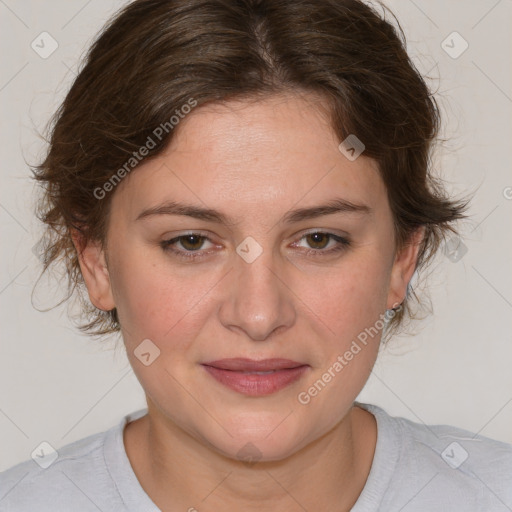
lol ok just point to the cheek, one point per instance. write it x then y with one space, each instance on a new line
349 297
349 305
159 302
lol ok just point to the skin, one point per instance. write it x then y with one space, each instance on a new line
254 162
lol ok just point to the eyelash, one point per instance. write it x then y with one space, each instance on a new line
342 244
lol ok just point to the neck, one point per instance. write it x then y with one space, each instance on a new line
179 471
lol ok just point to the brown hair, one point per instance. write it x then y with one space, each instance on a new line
155 56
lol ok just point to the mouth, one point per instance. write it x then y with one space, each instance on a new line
256 378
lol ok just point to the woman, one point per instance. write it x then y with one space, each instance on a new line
243 188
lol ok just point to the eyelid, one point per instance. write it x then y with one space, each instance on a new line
186 232
176 236
326 231
341 242
169 242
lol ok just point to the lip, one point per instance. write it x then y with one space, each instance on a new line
239 374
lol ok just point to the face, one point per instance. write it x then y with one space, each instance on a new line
252 238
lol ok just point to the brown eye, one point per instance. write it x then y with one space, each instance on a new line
318 240
192 242
320 243
190 246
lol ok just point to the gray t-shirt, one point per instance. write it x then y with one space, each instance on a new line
420 468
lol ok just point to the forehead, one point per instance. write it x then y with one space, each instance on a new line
260 154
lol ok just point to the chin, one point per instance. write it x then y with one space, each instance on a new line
258 437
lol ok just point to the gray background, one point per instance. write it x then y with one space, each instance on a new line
58 386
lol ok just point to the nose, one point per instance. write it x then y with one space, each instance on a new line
258 301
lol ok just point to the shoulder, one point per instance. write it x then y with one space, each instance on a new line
446 465
56 479
458 448
466 465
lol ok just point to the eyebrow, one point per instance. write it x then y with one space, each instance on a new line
336 205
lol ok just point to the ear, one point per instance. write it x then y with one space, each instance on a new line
93 265
404 266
